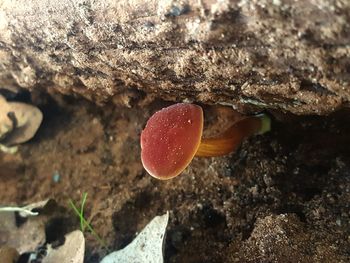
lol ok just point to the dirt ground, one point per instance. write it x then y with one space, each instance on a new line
281 197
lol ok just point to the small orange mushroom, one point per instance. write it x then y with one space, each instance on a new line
173 136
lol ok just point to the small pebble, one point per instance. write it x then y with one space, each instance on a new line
338 222
56 177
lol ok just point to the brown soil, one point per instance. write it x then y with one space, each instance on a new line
282 197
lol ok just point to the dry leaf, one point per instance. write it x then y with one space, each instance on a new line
18 121
28 120
72 251
27 235
2 100
147 247
6 124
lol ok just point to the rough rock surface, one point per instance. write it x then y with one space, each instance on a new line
274 54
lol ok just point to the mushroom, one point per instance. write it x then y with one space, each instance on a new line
173 136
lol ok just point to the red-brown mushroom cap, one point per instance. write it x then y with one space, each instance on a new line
170 140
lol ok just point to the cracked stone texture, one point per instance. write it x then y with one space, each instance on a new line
280 54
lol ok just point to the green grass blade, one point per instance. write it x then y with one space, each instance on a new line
82 225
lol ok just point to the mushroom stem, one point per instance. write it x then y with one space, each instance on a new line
229 140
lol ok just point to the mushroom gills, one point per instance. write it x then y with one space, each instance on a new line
229 141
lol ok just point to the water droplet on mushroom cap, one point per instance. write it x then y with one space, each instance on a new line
170 139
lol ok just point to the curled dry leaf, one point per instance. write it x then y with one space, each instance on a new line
30 232
25 237
18 122
146 247
6 124
72 251
28 119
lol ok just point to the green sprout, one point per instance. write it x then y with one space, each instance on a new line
84 224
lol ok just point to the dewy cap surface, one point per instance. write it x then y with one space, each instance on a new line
170 139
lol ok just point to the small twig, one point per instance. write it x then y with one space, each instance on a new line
82 225
18 209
